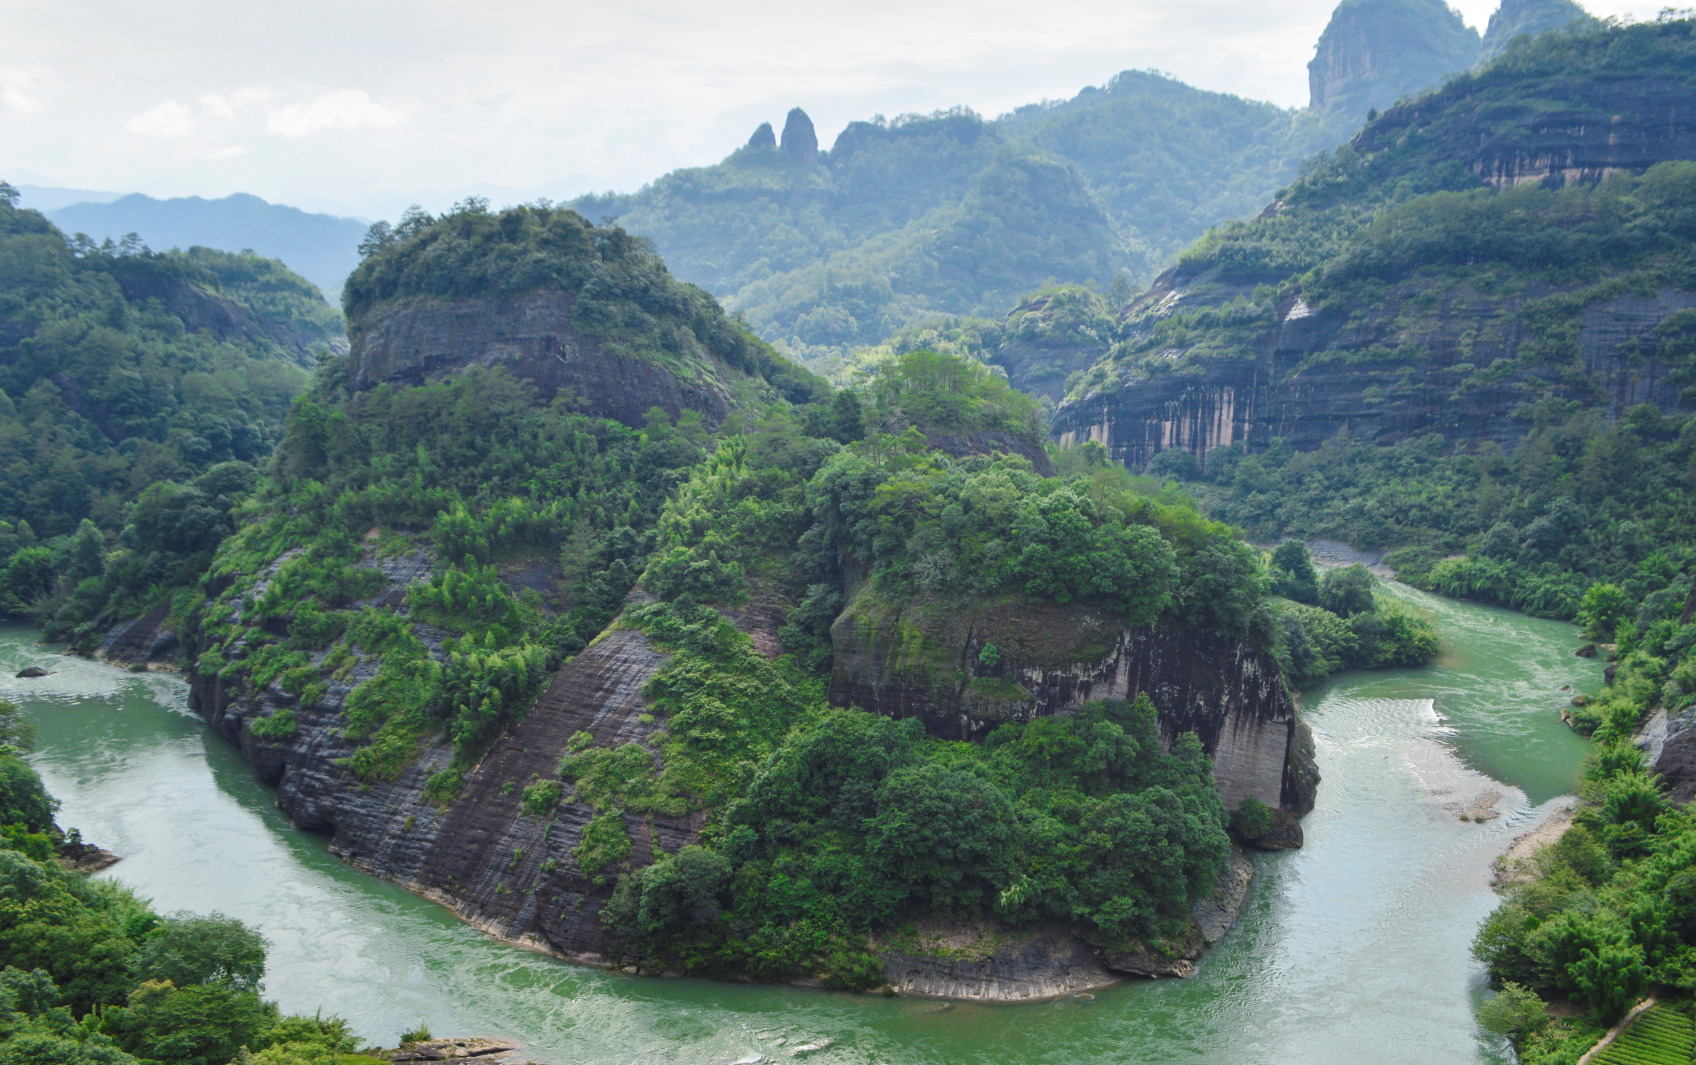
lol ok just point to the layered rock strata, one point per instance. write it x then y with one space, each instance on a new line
533 338
926 658
1305 379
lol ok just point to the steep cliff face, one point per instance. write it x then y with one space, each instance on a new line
1308 376
927 659
1375 51
509 873
532 337
1339 309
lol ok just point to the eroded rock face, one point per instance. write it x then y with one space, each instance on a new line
533 338
1375 51
799 139
976 961
1306 379
508 873
926 658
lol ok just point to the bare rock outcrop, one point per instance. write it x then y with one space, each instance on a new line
924 658
1375 51
532 336
799 139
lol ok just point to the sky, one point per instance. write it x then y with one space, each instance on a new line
360 108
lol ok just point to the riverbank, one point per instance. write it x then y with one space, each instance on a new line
1357 942
1518 864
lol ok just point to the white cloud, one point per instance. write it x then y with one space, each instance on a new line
169 119
227 153
17 93
220 106
344 109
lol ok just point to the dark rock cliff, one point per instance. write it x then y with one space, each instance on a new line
1376 51
507 873
1304 381
924 659
532 337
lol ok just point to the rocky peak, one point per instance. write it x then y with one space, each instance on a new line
1528 17
1373 52
763 137
799 139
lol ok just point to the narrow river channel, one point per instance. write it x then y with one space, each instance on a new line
1353 949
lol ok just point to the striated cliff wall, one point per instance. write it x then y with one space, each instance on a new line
926 659
532 337
1307 377
507 873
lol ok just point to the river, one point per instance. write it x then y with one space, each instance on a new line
1352 949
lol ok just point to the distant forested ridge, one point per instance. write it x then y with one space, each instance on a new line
322 248
138 393
1503 265
952 214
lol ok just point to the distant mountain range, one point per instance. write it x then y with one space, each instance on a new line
947 214
322 248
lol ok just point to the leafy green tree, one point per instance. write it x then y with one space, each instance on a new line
187 949
1603 607
1514 1011
1347 591
1294 576
23 798
203 1024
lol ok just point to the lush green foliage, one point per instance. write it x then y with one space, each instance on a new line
502 485
1609 910
128 438
950 214
104 394
1580 502
828 825
1340 621
622 293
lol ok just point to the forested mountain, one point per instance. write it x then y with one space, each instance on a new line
563 597
137 392
1504 262
952 214
322 248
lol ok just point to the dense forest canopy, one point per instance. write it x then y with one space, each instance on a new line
139 391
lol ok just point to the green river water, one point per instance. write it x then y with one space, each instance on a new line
1353 949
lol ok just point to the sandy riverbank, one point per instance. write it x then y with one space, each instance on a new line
1517 866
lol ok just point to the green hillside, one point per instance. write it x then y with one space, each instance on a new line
138 394
952 214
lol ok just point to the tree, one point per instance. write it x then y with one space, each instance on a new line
1293 575
1346 592
189 949
23 799
1515 1011
205 1024
1603 607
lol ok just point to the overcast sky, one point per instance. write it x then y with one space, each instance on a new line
357 107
